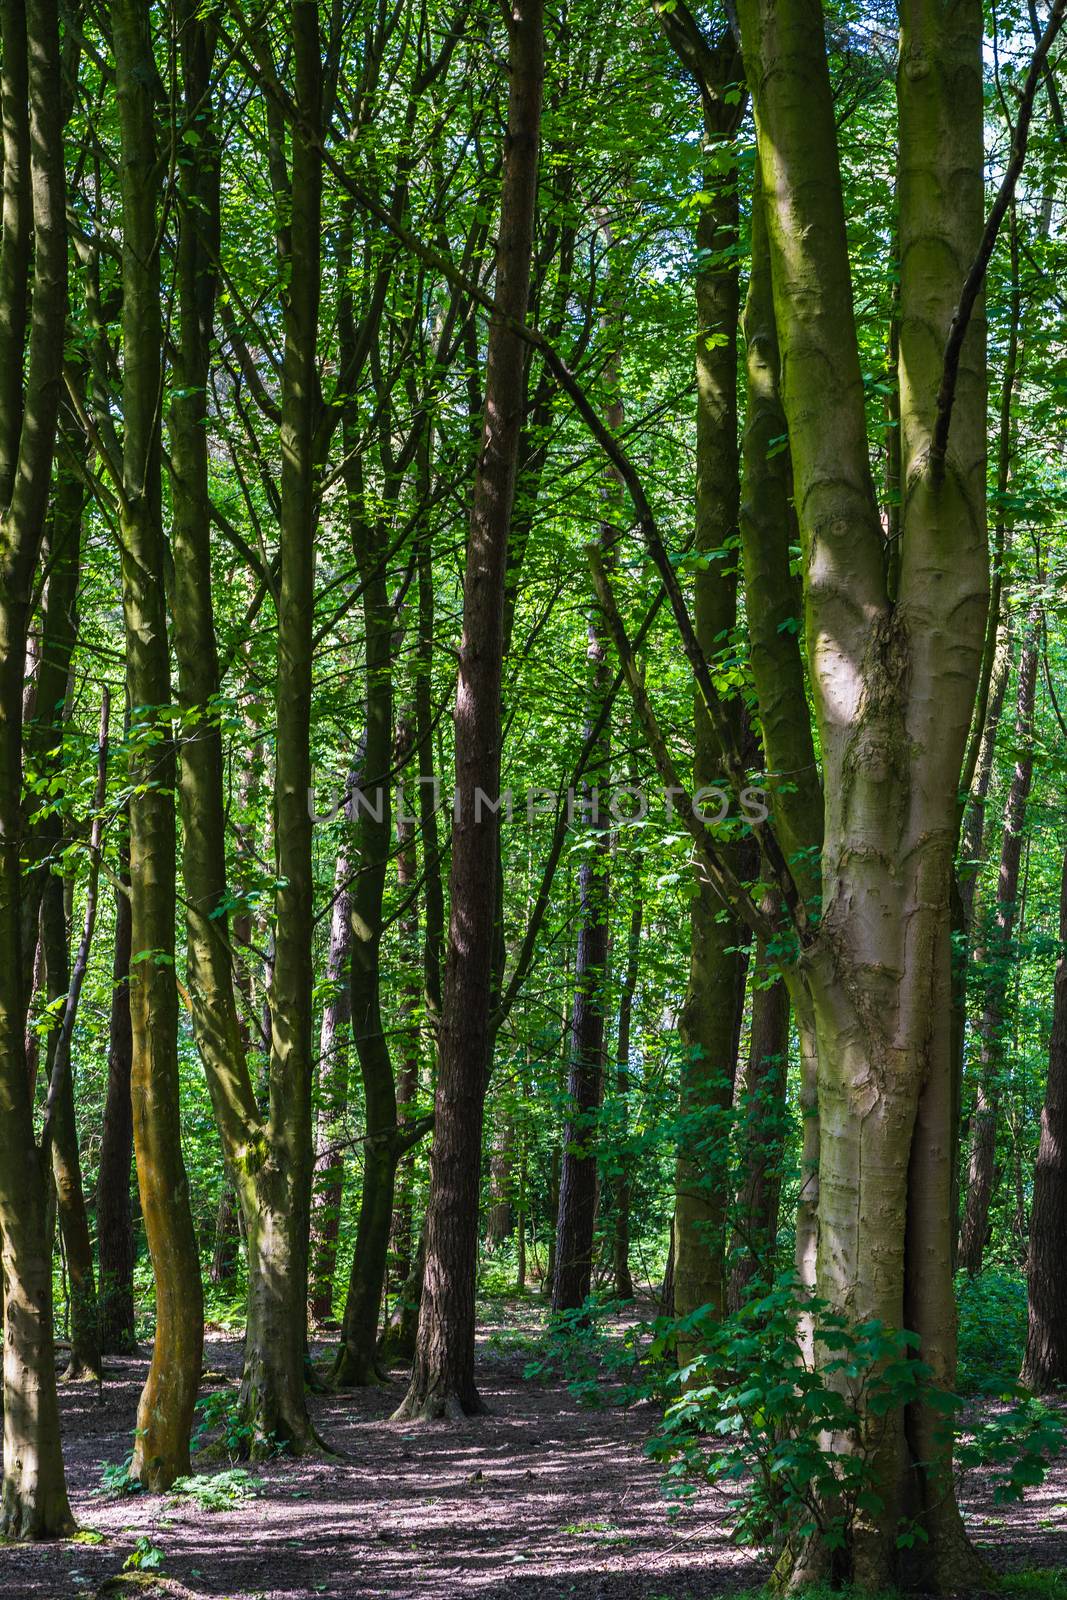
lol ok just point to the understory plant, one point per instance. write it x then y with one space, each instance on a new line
792 1439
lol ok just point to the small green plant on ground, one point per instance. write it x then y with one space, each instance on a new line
1048 1583
116 1478
217 1491
220 1425
144 1557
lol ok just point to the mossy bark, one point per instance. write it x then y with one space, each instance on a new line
711 1016
33 300
165 1411
893 681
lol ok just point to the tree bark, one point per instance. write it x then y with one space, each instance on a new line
578 1184
774 606
328 1181
60 1129
165 1412
268 1154
711 1016
114 1213
894 687
762 1132
443 1376
624 1283
33 1499
996 958
407 1079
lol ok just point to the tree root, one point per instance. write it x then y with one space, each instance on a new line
438 1406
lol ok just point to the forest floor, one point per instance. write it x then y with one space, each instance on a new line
541 1499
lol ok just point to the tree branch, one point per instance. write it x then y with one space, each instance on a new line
972 286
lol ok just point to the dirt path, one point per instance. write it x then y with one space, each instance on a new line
541 1499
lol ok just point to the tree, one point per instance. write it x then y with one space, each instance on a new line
996 957
33 299
165 1413
893 683
442 1381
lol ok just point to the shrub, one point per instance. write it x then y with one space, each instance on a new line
793 1444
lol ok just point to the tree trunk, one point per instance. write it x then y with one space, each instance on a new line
578 1166
1045 1363
585 1087
60 1129
114 1213
711 1017
383 1144
33 1502
761 1134
997 960
328 1180
407 1078
501 1221
894 686
397 1343
268 1155
44 907
624 1283
165 1412
226 1248
774 606
443 1376
66 1157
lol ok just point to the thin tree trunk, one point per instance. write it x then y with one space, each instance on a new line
501 1220
774 605
443 1376
585 1086
228 1222
711 1017
762 1133
114 1213
1045 1362
165 1412
996 957
624 1283
397 1343
384 1142
60 1123
268 1154
226 1249
49 696
407 1079
328 1180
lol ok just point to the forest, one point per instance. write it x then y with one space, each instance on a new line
533 872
